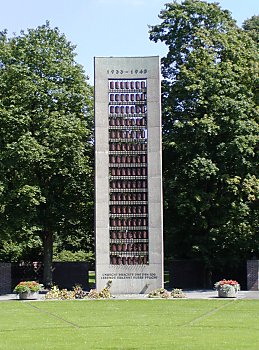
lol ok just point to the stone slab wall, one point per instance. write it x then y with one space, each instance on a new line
252 274
5 278
65 274
186 274
68 274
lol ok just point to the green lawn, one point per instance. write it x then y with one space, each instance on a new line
130 324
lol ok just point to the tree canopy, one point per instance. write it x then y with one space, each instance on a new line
46 148
251 25
210 134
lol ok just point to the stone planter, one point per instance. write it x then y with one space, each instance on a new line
230 293
29 295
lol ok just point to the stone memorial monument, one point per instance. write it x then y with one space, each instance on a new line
128 174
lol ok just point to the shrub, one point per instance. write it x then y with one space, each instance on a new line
159 293
177 293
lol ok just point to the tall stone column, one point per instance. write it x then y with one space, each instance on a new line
128 174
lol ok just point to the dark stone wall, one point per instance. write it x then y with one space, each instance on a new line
68 274
29 271
192 274
186 274
252 275
5 278
65 274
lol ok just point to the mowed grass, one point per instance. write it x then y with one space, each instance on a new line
130 324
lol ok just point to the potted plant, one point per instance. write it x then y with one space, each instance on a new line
28 289
227 288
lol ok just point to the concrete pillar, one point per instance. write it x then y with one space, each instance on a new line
128 174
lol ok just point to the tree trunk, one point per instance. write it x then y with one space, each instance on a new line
47 258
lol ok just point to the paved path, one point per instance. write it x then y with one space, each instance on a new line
195 294
190 294
212 294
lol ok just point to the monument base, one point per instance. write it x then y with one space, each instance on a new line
132 279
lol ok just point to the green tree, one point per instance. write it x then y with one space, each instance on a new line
210 134
46 148
251 25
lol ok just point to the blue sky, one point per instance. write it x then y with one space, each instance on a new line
103 27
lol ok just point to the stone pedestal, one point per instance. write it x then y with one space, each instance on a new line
253 275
